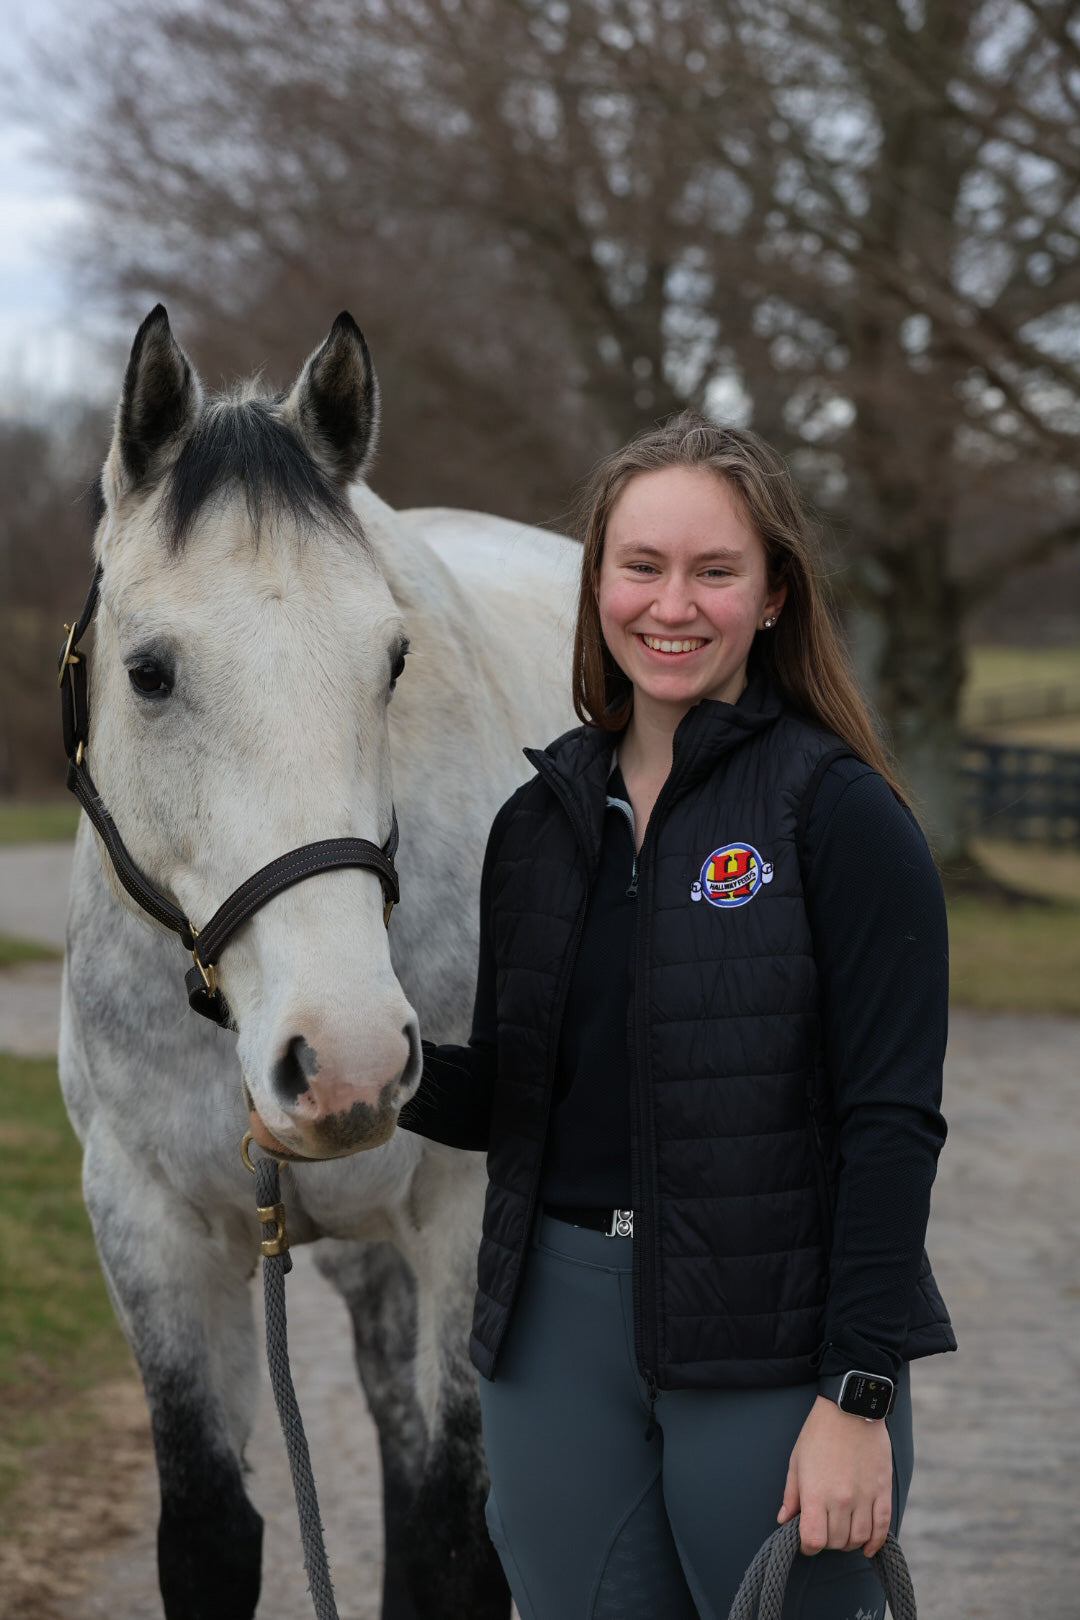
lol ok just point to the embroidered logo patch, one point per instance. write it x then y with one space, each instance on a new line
731 876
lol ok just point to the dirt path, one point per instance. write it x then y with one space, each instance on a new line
993 1525
34 882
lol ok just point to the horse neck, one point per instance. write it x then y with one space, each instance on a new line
438 613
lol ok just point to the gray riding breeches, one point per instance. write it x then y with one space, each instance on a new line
592 1520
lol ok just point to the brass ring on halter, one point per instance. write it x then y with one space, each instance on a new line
248 1138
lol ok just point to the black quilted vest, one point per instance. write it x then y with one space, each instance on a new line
734 1160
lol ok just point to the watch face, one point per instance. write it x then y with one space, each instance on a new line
865 1396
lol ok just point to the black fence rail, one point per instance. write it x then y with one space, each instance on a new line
1023 792
1004 705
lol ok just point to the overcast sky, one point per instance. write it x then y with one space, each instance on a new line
42 352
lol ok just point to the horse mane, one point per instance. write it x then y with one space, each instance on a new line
242 440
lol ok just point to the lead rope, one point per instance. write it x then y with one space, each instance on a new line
761 1594
276 1262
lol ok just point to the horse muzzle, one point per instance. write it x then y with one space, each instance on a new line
322 1103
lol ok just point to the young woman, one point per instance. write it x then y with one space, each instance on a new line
706 1066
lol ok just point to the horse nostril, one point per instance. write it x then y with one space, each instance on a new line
413 1067
292 1069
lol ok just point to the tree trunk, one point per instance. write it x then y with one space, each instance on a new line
907 647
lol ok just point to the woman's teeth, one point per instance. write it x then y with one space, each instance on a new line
673 646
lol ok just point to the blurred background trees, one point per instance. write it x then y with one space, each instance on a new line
856 228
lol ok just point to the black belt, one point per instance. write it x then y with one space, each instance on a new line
612 1222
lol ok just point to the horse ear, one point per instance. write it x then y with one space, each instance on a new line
334 403
158 408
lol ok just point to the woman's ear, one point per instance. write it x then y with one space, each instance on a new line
774 602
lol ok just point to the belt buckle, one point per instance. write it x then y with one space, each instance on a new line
622 1223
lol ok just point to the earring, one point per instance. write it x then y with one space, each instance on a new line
769 623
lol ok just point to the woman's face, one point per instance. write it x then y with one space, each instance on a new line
683 587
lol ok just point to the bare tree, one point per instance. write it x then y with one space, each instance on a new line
857 226
44 470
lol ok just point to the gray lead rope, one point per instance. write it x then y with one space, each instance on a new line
276 1263
761 1594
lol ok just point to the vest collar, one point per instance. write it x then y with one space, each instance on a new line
577 764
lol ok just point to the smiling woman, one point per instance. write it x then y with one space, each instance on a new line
706 1066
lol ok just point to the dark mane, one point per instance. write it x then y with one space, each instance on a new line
244 442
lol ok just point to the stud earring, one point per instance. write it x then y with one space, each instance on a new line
769 623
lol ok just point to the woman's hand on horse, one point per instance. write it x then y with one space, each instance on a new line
840 1480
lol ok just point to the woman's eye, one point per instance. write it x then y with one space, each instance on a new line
150 679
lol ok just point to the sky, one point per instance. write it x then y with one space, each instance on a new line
43 352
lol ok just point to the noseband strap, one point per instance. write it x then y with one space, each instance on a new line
206 944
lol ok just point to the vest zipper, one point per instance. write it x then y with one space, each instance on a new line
642 1140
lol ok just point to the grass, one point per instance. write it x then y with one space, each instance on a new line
58 1336
15 951
1022 958
46 822
1035 869
1063 732
990 667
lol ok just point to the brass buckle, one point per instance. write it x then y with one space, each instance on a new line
273 1213
268 1214
208 974
70 655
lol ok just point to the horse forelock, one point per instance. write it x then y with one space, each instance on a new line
241 443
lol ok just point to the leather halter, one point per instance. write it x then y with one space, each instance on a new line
205 944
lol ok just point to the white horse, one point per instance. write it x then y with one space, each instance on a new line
254 606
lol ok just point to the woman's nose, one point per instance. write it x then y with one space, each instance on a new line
673 603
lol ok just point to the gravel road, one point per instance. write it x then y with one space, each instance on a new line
993 1525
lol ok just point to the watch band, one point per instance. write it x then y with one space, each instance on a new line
863 1394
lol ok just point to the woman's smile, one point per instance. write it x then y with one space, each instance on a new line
669 647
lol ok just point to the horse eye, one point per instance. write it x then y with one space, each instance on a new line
150 679
398 666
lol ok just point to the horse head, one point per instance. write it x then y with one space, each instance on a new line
245 655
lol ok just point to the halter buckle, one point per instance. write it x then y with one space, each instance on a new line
388 906
209 976
69 655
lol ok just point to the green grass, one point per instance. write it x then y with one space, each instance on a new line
14 951
58 1335
38 823
1014 958
990 667
1045 873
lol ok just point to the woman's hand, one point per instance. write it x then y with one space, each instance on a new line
840 1480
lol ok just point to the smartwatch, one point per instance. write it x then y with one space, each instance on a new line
863 1394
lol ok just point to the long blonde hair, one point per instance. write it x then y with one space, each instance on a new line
802 657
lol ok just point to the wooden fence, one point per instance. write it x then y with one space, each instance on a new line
1017 791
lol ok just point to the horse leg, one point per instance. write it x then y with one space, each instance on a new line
440 1564
180 1289
380 1292
454 1571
